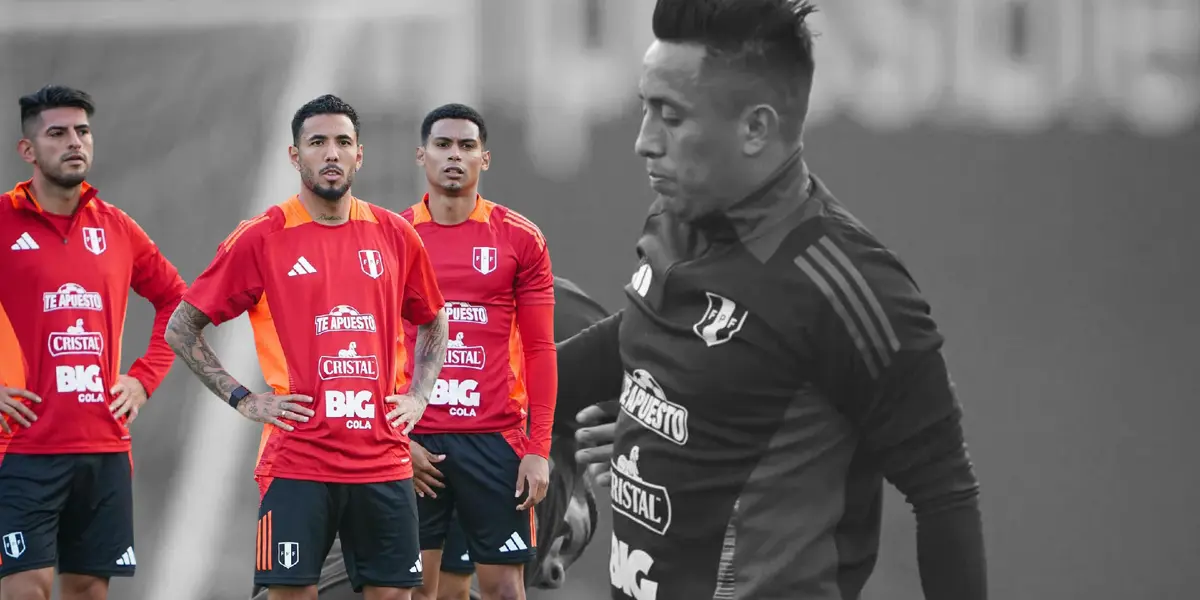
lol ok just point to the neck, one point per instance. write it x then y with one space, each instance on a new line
780 192
449 209
54 198
326 212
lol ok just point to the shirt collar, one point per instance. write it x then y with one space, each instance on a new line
22 196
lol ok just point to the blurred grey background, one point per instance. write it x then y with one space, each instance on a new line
1036 164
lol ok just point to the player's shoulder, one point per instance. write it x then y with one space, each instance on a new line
835 255
393 223
519 227
252 231
388 217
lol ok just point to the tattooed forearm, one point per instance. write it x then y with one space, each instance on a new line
185 336
429 354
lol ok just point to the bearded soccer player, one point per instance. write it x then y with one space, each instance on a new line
492 409
778 362
66 472
566 518
327 280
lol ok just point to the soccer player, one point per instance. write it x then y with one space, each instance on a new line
776 361
493 407
66 472
327 279
565 519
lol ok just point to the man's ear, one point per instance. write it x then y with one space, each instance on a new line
759 124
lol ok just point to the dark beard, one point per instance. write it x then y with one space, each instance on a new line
330 194
64 181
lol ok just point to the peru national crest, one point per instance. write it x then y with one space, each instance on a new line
371 262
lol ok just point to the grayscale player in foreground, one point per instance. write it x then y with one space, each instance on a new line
778 362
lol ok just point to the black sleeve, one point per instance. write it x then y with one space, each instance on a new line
589 366
878 356
574 310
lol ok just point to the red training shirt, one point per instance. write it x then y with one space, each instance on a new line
326 304
62 313
501 367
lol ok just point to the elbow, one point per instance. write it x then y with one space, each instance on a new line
172 337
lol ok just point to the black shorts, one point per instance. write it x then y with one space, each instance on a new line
456 556
73 511
480 473
377 523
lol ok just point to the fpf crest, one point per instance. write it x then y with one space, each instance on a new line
93 240
722 319
484 259
371 262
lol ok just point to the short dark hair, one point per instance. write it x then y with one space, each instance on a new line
323 105
453 111
52 96
766 41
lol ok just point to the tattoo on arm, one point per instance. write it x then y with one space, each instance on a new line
429 354
185 336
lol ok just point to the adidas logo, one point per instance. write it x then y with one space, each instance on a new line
25 242
514 544
416 568
466 557
302 267
127 559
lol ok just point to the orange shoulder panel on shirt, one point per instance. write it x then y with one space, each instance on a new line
294 214
360 210
483 210
242 228
515 219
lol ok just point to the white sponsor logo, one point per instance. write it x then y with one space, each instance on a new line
461 356
128 558
76 341
647 504
71 296
513 544
25 242
85 381
302 267
629 570
344 318
720 321
356 407
459 395
465 312
643 399
348 365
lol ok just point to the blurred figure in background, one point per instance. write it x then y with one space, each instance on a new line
778 361
66 472
327 279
